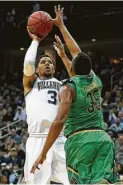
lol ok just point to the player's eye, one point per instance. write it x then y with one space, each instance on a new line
50 62
42 62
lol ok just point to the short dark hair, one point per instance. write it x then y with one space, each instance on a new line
82 64
41 56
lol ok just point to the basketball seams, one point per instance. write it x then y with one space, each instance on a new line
48 25
35 18
45 26
41 26
35 23
40 15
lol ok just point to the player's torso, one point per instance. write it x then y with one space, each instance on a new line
85 112
42 104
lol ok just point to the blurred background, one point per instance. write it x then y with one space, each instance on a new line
98 29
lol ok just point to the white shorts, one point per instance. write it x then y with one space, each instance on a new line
54 167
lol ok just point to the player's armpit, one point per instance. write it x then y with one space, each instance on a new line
28 82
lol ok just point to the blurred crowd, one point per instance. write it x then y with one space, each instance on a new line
13 126
13 17
13 136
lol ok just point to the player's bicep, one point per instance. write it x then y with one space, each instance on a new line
66 98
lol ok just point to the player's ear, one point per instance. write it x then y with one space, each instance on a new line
54 70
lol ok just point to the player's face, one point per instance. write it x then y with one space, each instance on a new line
45 67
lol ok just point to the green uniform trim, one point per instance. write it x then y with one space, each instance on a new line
69 168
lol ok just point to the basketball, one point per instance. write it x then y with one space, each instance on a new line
40 23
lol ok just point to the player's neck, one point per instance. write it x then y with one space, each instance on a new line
45 77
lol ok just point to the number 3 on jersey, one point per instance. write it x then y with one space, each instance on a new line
53 96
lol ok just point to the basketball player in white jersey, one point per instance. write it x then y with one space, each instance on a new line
41 96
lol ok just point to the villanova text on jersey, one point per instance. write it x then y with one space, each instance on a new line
48 85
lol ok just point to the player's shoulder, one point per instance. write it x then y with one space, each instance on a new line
97 78
69 82
66 81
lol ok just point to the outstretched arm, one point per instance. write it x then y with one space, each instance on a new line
61 52
70 42
66 98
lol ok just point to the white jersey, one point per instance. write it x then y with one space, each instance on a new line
42 105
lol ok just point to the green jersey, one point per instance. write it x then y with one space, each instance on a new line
85 112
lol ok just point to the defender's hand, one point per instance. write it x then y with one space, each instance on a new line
40 160
58 21
59 47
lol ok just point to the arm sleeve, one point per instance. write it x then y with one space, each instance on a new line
30 58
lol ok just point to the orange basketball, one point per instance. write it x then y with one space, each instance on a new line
40 23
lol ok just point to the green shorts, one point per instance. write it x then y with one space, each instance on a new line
90 158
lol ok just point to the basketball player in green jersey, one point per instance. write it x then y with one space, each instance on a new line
89 149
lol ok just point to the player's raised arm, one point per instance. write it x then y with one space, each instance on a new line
29 63
70 42
61 52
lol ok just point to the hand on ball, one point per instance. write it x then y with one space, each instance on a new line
33 36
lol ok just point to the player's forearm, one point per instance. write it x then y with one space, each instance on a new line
53 134
67 64
70 42
30 58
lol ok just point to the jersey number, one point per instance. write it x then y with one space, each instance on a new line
94 101
53 96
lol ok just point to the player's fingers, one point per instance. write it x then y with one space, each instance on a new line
59 8
57 50
38 167
32 169
55 9
62 10
54 20
35 166
58 40
57 45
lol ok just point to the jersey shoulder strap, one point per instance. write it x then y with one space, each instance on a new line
67 82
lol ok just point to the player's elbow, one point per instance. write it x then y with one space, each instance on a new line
76 52
29 70
60 121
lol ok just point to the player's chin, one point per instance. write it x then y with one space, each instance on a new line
48 73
